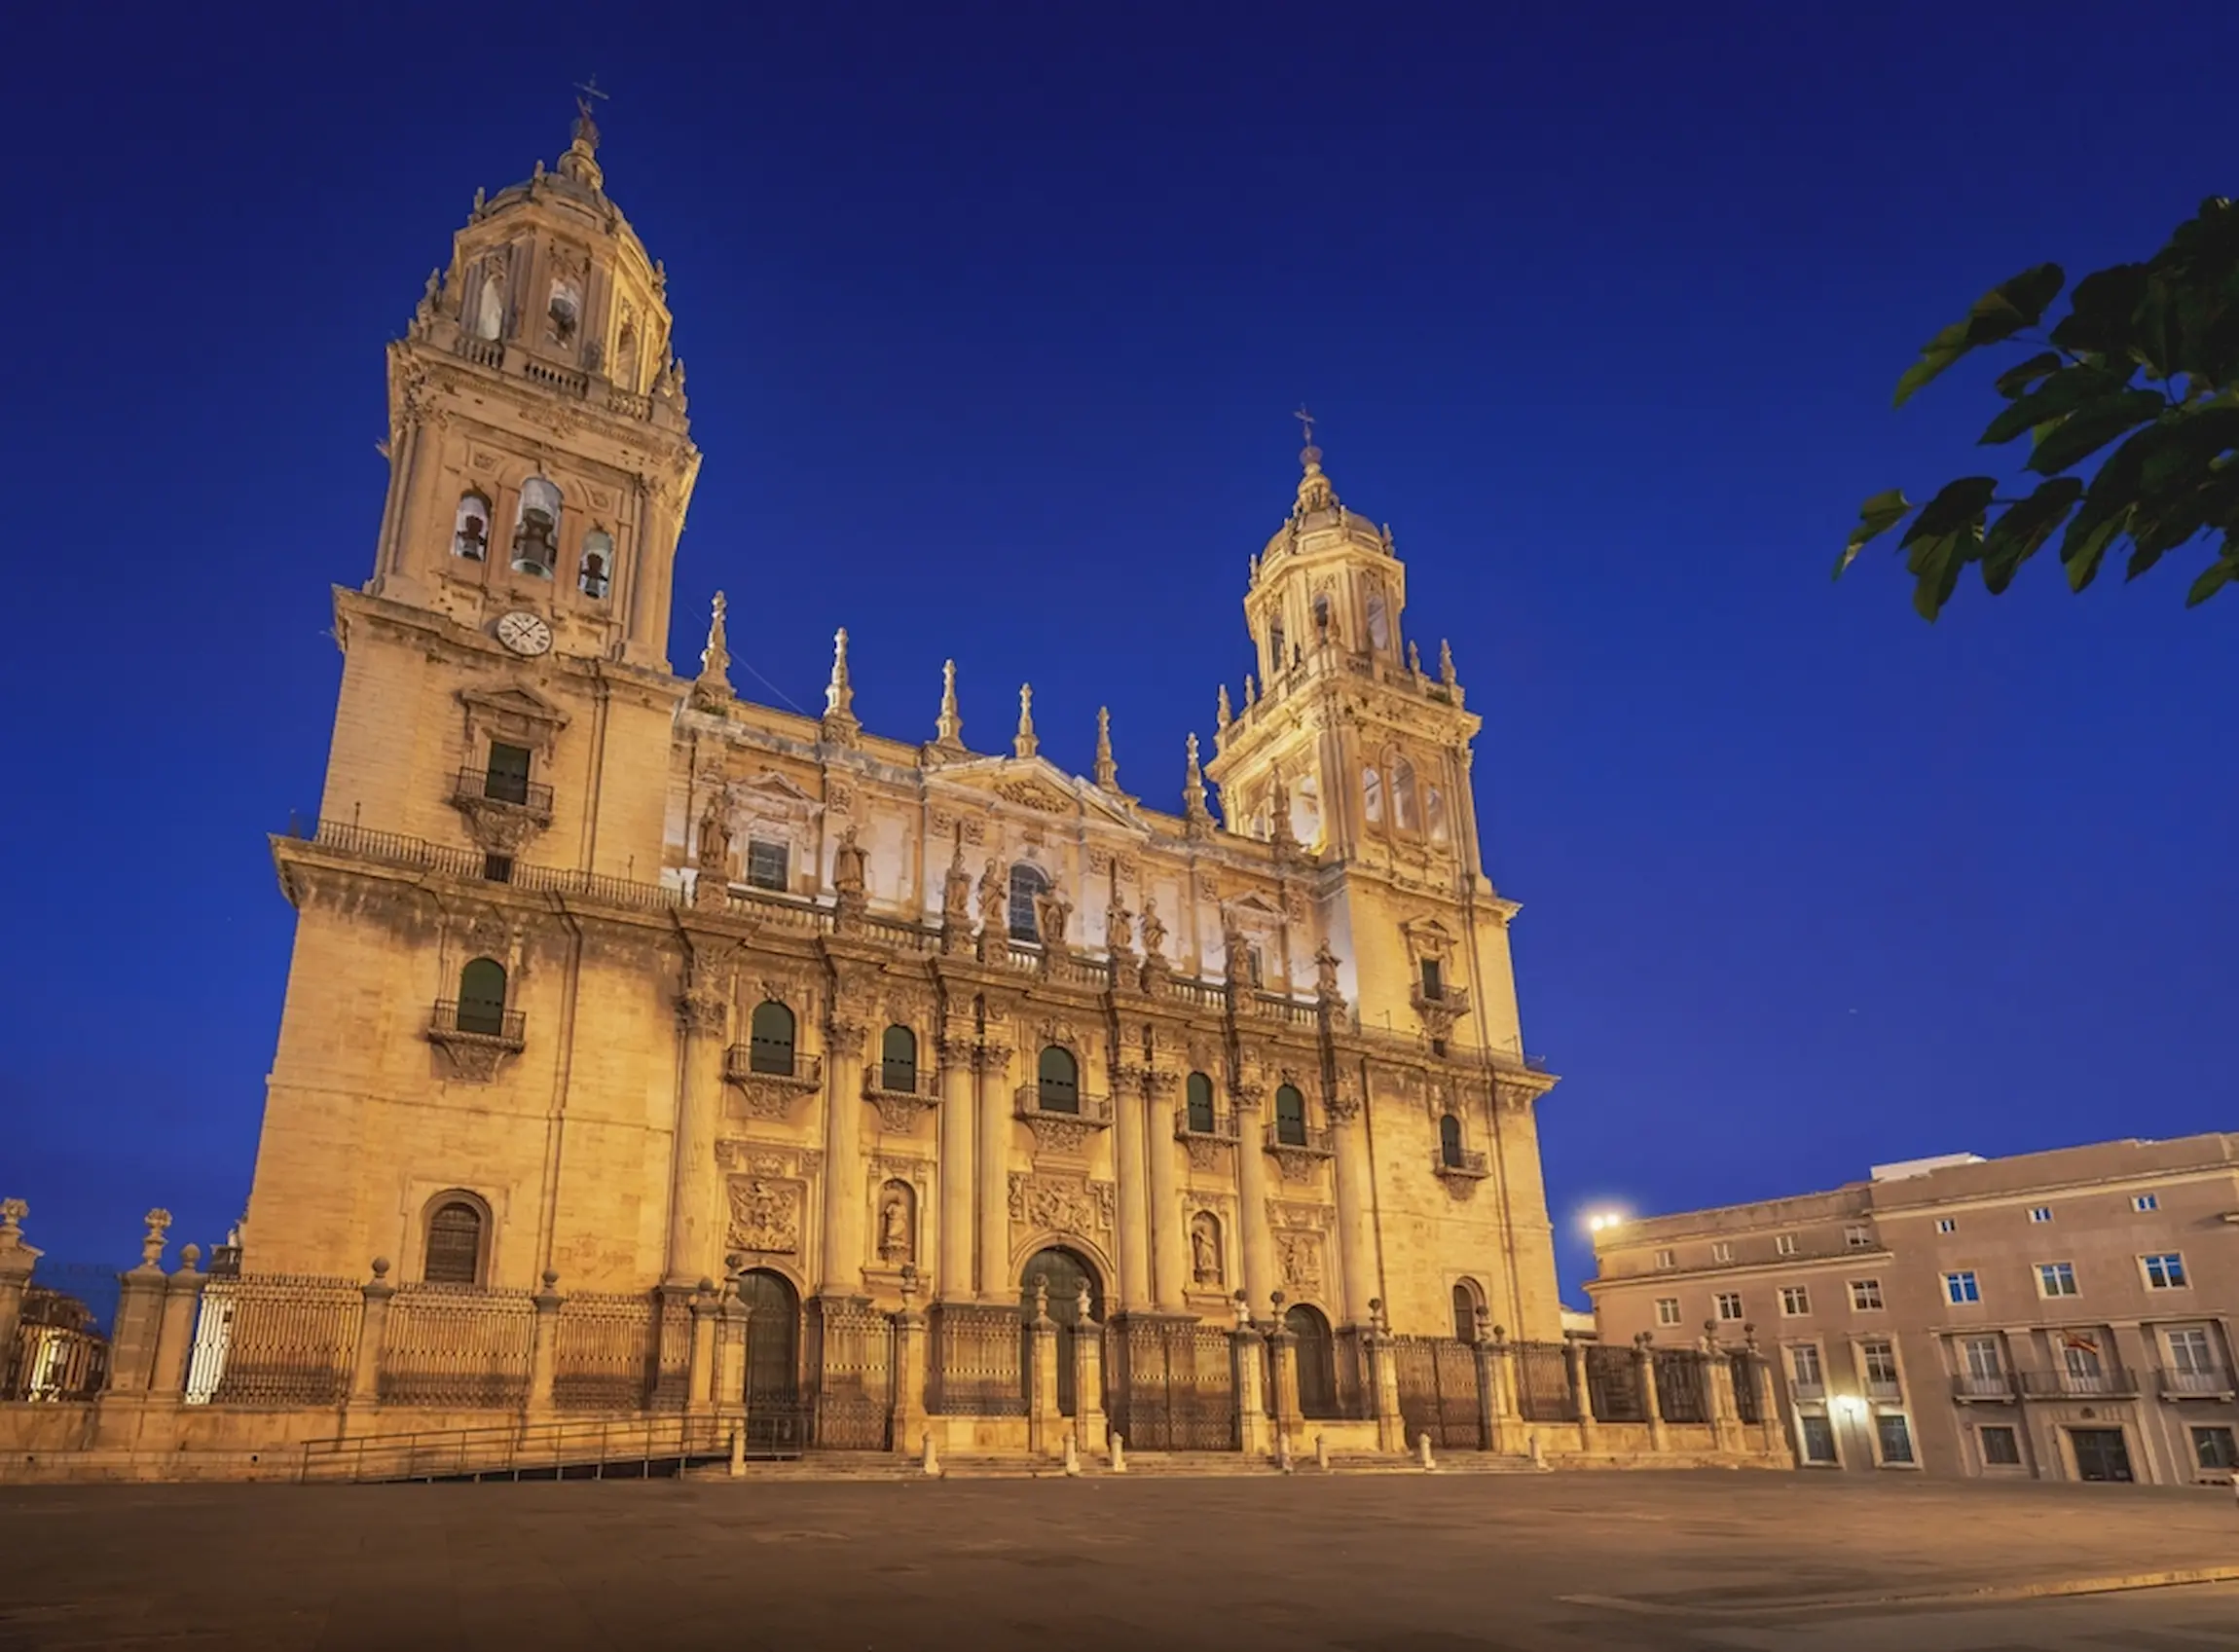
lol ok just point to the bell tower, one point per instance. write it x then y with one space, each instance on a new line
1345 745
541 459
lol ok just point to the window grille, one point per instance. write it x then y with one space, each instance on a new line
768 864
770 1038
454 1245
1290 1117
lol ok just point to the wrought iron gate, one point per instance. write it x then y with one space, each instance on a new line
1613 1383
1170 1385
855 1378
1543 1392
1682 1386
1438 1390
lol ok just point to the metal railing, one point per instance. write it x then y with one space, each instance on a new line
1088 1109
481 785
578 1448
1883 1388
2106 1382
1300 1138
1982 1385
1463 1161
1814 1389
1221 1127
449 1019
740 1066
2194 1384
472 865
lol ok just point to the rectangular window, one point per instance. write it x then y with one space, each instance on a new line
2079 1353
1667 1310
1729 1304
2165 1272
2189 1351
1881 1362
1804 1361
2145 1201
1945 1224
768 864
1897 1437
1665 1259
1982 1357
2001 1447
497 868
2214 1448
2040 1213
1962 1288
1858 1236
1784 1244
1722 1251
1433 980
1819 1435
507 778
2056 1279
1795 1300
1865 1296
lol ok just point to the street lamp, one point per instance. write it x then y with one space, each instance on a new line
1603 1220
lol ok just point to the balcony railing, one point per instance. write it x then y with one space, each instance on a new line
2195 1384
1879 1388
1300 1138
1814 1389
740 1067
1221 1127
1465 1163
1095 1109
513 792
452 1020
1979 1385
924 1083
2106 1382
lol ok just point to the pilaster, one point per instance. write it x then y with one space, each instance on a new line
175 1332
840 1269
543 1343
703 1014
993 1068
1170 1241
952 1275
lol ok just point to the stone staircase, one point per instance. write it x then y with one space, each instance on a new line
1141 1465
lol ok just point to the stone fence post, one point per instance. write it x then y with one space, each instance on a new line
1247 1352
1718 1381
1582 1397
1651 1402
909 1354
700 1379
140 1313
372 1335
175 1327
1042 1412
17 1259
1496 1405
1088 1418
543 1341
1283 1362
1384 1382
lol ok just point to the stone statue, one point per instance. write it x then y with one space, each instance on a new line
714 858
1325 972
1154 931
994 900
1118 929
847 867
1205 1257
1051 912
893 1237
956 893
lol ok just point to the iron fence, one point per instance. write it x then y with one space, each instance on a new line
602 1353
1743 1365
276 1339
456 1346
56 1354
1542 1374
1613 1384
976 1369
854 1363
1438 1390
1682 1385
1170 1386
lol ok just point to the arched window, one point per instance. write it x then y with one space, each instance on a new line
1322 618
1403 794
626 354
1467 1300
1200 1100
1379 620
1372 796
1027 881
482 997
598 568
898 1060
1289 1116
490 305
453 1244
1434 813
536 533
470 527
770 1038
563 312
1277 647
1058 1081
1450 1140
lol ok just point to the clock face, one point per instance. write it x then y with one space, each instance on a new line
524 633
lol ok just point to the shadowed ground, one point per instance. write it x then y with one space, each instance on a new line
1368 1563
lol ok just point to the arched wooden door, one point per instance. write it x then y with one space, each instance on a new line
776 1417
1316 1359
1063 1272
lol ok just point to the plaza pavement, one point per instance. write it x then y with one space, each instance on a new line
1359 1564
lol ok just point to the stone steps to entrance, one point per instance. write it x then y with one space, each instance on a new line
1206 1465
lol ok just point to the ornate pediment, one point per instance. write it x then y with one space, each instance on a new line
1032 785
514 713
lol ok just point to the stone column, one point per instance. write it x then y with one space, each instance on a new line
1134 1237
1582 1396
175 1330
994 1180
730 1397
1259 1281
1718 1394
1248 1352
1495 1391
1283 1360
1651 1402
140 1313
17 1259
543 1341
372 1335
1042 1414
700 1384
1169 1235
907 1419
952 1273
1771 1432
1356 1232
1384 1382
840 1267
695 1201
1088 1418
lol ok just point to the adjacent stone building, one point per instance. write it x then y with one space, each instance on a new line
2064 1315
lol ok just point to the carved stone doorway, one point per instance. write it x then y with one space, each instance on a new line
1063 1272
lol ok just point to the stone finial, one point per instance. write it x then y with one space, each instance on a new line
158 1222
1446 662
1198 818
1023 744
1314 490
379 1269
909 1286
189 1254
1414 657
714 678
1080 1306
1280 831
948 727
11 1214
1244 1311
1250 691
1222 716
1041 1300
1107 769
838 725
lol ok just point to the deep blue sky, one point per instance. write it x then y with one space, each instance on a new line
995 317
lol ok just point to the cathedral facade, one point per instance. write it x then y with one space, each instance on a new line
609 981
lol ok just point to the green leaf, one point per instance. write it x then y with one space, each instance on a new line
2062 394
1959 505
2023 528
1876 517
1944 539
2017 379
1999 313
2219 574
2085 543
2085 431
